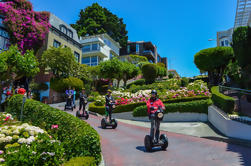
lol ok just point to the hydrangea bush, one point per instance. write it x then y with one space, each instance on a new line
26 27
23 144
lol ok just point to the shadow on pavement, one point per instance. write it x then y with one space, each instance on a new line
244 153
143 149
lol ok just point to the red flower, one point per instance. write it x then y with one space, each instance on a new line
7 118
21 91
54 126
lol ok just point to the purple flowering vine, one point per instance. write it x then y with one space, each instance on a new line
26 27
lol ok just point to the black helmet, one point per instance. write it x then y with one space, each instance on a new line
154 92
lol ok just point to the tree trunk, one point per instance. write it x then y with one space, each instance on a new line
118 83
124 82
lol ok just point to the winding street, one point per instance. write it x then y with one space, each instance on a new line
124 146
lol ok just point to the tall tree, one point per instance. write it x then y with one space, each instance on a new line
242 51
61 61
129 71
97 20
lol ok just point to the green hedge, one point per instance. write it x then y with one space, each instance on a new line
118 109
97 109
137 82
222 101
200 106
131 107
78 137
80 161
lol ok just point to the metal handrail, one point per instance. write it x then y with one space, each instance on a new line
243 91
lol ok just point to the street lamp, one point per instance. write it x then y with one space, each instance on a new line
212 39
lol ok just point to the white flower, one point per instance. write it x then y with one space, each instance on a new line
21 140
2 160
2 135
8 139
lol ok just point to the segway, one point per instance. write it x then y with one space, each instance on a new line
113 123
69 104
84 113
163 140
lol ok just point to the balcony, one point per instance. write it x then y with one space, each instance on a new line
100 51
149 54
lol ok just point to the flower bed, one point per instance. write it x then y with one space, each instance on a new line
78 137
23 144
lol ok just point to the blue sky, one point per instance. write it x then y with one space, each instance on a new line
178 28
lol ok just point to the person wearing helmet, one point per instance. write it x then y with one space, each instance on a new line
82 100
152 106
109 101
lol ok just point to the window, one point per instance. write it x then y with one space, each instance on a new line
95 47
56 44
86 48
226 42
86 61
222 43
128 49
70 33
137 48
4 33
107 42
63 29
111 56
94 61
77 56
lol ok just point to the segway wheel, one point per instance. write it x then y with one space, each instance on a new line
114 123
103 123
164 139
87 115
148 143
78 114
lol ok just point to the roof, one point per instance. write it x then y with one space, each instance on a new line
101 35
57 22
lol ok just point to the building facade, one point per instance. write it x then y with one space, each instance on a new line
4 37
141 48
242 13
224 38
98 48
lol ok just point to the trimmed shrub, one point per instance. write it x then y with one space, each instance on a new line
97 109
127 107
137 82
184 82
60 85
222 101
200 106
149 72
81 161
78 137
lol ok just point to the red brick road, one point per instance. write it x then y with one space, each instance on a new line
124 146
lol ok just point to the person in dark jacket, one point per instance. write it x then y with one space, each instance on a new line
82 100
109 102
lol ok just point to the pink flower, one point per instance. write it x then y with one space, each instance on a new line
54 126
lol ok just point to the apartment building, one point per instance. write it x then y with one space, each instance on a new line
146 49
224 38
98 48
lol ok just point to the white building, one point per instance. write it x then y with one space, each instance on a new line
242 13
98 48
224 38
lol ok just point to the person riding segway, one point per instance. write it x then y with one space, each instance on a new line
69 99
109 106
83 100
155 112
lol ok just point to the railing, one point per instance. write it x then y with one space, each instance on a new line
242 96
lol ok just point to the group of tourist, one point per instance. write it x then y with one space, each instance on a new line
12 90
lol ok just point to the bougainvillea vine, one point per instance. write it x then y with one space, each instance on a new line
26 27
